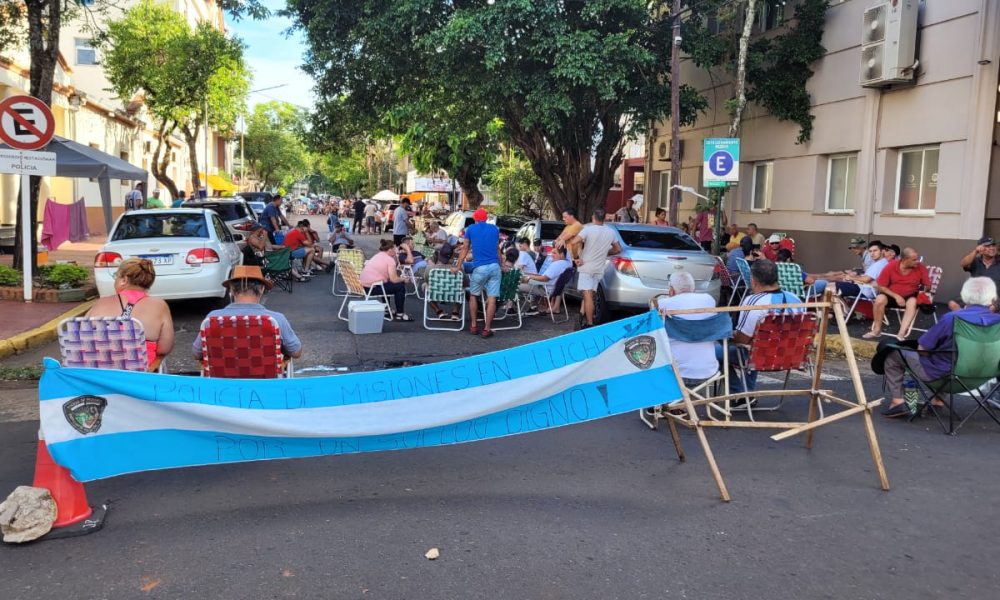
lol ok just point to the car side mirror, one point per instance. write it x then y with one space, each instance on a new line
238 237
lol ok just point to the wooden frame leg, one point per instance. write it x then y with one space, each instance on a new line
723 492
874 449
676 439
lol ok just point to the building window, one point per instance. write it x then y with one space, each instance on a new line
841 175
916 184
770 14
85 53
763 174
663 198
639 182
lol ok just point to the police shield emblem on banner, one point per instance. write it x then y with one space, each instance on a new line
641 351
84 413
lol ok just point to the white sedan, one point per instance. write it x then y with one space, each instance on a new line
191 249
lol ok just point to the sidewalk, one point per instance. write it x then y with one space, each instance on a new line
24 326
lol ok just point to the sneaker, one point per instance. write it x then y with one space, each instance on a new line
899 410
531 312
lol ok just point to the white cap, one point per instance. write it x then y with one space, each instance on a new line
774 239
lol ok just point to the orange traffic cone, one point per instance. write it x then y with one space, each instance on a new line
70 497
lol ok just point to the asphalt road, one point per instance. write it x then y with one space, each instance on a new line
599 510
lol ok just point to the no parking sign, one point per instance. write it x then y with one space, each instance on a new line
721 162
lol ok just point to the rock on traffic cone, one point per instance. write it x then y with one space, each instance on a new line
70 497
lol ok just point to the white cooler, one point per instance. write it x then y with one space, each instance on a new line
365 316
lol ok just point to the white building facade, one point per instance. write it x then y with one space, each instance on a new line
915 164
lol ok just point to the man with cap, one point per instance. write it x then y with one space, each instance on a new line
247 286
483 240
770 249
859 246
981 261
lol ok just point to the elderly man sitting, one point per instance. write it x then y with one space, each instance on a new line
933 357
246 287
695 360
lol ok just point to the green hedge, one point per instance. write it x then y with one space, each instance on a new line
9 276
62 276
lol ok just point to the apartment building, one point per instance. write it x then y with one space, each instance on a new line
912 162
87 112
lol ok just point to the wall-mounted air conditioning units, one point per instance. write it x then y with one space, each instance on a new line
889 43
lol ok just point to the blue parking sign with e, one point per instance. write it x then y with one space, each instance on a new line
721 162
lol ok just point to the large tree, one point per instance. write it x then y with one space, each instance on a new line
44 19
273 146
185 76
570 81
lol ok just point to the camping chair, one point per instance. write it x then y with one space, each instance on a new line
358 291
860 303
105 343
444 286
243 347
975 362
781 342
790 280
558 291
722 326
744 267
509 282
353 256
726 278
278 268
409 277
925 301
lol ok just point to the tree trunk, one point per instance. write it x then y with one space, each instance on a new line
191 138
741 69
44 22
566 176
468 181
160 166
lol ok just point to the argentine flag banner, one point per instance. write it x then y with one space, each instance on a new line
101 423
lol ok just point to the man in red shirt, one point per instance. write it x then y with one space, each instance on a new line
300 242
898 285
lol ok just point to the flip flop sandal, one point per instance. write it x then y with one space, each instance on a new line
474 330
487 333
871 335
455 317
403 317
441 315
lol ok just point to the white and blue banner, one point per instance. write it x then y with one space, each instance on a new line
101 423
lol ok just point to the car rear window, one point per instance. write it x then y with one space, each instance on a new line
133 227
551 231
228 212
658 240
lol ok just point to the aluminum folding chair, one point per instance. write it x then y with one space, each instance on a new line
781 343
444 286
105 343
352 256
243 347
925 298
558 291
744 266
357 291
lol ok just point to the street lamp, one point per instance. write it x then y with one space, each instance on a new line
688 189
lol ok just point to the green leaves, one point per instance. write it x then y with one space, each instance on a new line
273 144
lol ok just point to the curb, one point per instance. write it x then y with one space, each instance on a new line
863 349
42 334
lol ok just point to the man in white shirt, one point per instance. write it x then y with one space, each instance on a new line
370 209
525 261
549 276
851 283
599 241
435 236
695 360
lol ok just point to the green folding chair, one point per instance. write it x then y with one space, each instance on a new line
508 293
278 268
975 362
444 286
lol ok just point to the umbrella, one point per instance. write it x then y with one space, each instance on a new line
386 195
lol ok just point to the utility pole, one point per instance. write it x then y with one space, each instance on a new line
675 112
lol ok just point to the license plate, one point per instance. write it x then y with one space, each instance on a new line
159 259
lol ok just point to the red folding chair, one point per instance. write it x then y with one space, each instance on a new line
781 342
243 347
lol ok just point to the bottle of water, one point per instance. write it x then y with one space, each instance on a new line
910 394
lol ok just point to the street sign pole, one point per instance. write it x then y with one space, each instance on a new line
26 248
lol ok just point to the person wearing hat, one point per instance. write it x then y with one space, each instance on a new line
770 249
859 246
253 251
483 240
247 285
981 261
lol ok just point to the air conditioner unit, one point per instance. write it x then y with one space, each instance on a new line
889 43
661 154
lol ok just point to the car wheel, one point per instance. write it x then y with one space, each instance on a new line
600 306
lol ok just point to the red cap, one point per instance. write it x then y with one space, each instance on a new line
480 215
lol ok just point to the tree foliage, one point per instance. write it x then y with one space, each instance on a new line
570 82
515 186
180 73
273 146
